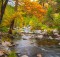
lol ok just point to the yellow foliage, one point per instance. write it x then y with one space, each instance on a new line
32 24
7 21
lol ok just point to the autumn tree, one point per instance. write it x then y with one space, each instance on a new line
34 8
11 21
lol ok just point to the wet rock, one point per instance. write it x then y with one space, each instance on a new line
24 56
5 49
33 36
44 32
55 31
1 52
38 31
59 43
50 37
26 36
40 36
6 43
57 38
18 54
39 55
56 34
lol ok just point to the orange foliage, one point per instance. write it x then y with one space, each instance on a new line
34 8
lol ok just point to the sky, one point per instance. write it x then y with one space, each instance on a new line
12 3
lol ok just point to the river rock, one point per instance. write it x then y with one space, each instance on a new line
38 31
44 32
57 38
24 56
55 31
39 55
40 36
6 43
59 43
1 52
50 37
26 36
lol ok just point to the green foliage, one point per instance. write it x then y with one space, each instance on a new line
0 4
17 22
57 21
58 6
33 22
6 38
48 19
58 1
26 20
4 29
12 54
49 12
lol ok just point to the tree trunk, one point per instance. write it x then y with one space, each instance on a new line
3 6
12 22
11 27
16 5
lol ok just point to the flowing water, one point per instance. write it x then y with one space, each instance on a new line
28 46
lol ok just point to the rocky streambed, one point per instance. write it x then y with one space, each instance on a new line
27 45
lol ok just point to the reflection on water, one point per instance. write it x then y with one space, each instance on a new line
24 43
